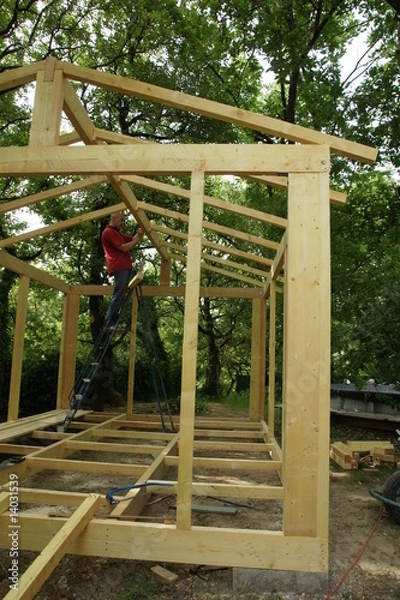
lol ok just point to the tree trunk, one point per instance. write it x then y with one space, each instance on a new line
213 387
6 283
103 390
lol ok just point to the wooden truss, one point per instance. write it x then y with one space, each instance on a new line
187 459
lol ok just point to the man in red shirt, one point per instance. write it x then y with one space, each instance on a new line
117 247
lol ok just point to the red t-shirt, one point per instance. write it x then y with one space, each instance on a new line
116 260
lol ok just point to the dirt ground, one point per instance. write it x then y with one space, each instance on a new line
353 515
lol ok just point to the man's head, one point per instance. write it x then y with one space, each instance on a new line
117 219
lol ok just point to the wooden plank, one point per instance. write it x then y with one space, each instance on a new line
233 275
137 497
33 578
239 159
240 266
133 435
225 251
47 108
246 256
233 447
228 464
164 574
272 359
56 192
344 456
4 501
54 497
22 268
391 459
148 542
240 235
189 353
223 112
16 449
227 490
369 444
248 492
281 183
15 429
68 349
78 116
257 374
14 78
207 433
127 195
62 225
307 357
224 205
384 451
172 292
91 446
83 466
279 259
211 508
132 355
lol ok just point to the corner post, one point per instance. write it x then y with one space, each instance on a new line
306 403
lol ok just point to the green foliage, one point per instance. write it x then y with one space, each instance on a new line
238 400
365 282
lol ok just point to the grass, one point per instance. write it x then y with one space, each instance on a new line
238 400
144 587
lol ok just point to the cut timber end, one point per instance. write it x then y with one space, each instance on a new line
163 574
136 280
343 456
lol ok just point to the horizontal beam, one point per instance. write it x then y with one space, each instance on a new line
161 542
220 159
222 112
83 466
172 292
229 464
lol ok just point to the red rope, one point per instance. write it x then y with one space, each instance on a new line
355 561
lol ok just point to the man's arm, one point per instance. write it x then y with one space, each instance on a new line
128 246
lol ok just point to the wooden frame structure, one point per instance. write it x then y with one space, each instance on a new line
301 261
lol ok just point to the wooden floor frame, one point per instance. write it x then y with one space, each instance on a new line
298 265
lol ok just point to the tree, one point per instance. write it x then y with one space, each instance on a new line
223 51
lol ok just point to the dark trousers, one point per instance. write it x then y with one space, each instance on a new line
121 280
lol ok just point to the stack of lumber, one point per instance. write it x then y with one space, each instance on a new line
349 455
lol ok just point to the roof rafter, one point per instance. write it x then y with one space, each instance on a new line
224 205
223 112
62 225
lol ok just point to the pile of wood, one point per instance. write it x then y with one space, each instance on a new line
351 454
